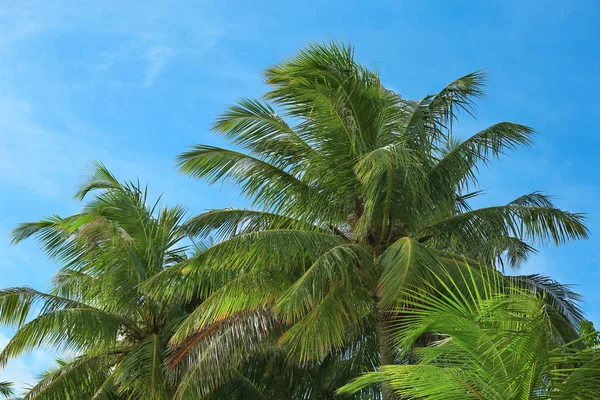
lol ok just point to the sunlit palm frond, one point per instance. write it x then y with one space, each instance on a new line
226 223
209 358
77 378
476 353
458 167
523 218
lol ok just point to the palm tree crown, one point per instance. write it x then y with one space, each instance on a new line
95 309
359 195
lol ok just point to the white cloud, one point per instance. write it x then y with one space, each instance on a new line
157 59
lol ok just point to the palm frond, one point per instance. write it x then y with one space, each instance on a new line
524 218
268 184
459 165
337 266
459 95
70 329
209 358
70 380
6 389
251 291
99 178
142 370
225 223
286 248
244 389
255 126
558 297
402 265
325 327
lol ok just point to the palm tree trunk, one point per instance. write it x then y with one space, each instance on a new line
386 350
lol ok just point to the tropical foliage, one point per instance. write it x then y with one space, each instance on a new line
115 337
95 311
591 337
361 270
490 344
358 194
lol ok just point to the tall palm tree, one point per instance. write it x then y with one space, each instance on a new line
490 344
95 310
357 193
118 336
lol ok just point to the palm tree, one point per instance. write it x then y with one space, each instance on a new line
117 336
95 310
489 344
357 193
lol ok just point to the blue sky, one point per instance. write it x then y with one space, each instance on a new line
134 83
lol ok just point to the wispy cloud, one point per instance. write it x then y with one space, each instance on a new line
157 59
146 40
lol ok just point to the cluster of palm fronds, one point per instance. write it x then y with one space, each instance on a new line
361 272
